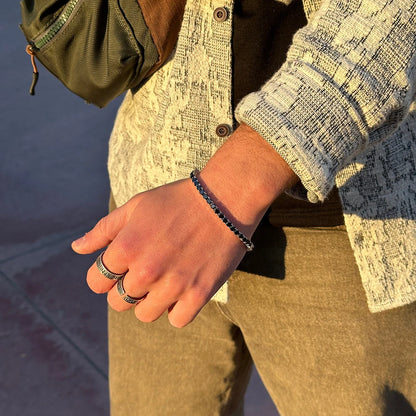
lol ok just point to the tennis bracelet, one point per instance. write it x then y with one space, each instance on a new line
247 242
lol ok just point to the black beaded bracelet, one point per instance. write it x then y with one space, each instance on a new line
247 242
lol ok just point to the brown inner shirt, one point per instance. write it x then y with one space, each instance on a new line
262 34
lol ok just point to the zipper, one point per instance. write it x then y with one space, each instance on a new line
44 38
56 26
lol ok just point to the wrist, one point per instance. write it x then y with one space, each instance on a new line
245 176
219 212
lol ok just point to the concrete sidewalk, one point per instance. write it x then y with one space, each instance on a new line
53 187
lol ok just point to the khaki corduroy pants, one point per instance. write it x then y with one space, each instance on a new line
298 309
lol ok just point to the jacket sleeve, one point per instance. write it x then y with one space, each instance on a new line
347 83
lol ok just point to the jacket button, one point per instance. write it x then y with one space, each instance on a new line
223 130
220 14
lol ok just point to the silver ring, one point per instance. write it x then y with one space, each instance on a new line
125 296
104 271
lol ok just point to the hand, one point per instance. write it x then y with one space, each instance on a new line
175 248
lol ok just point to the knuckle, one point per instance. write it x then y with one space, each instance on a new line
146 274
126 248
199 295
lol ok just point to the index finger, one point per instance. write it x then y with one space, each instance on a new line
106 270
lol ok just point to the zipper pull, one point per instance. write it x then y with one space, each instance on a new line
35 77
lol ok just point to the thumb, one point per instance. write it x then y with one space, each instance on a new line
104 232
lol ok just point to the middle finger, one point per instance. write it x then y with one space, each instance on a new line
121 297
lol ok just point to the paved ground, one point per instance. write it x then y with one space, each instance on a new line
53 187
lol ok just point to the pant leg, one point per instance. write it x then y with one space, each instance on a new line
156 369
306 323
300 305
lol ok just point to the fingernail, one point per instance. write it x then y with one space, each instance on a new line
78 242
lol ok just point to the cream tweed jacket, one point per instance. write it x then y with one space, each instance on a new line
340 111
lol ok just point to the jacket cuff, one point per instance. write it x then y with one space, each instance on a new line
309 122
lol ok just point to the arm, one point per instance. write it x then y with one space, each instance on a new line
175 248
348 82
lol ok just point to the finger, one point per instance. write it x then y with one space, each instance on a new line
113 259
103 233
151 308
179 316
187 308
158 301
121 295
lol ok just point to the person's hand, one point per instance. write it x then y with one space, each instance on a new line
175 250
174 247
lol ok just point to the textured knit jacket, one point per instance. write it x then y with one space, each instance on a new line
340 111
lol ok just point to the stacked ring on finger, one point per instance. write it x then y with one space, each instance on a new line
125 296
105 272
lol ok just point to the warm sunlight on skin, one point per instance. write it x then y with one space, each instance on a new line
174 247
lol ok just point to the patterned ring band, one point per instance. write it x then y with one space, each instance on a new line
104 271
125 296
